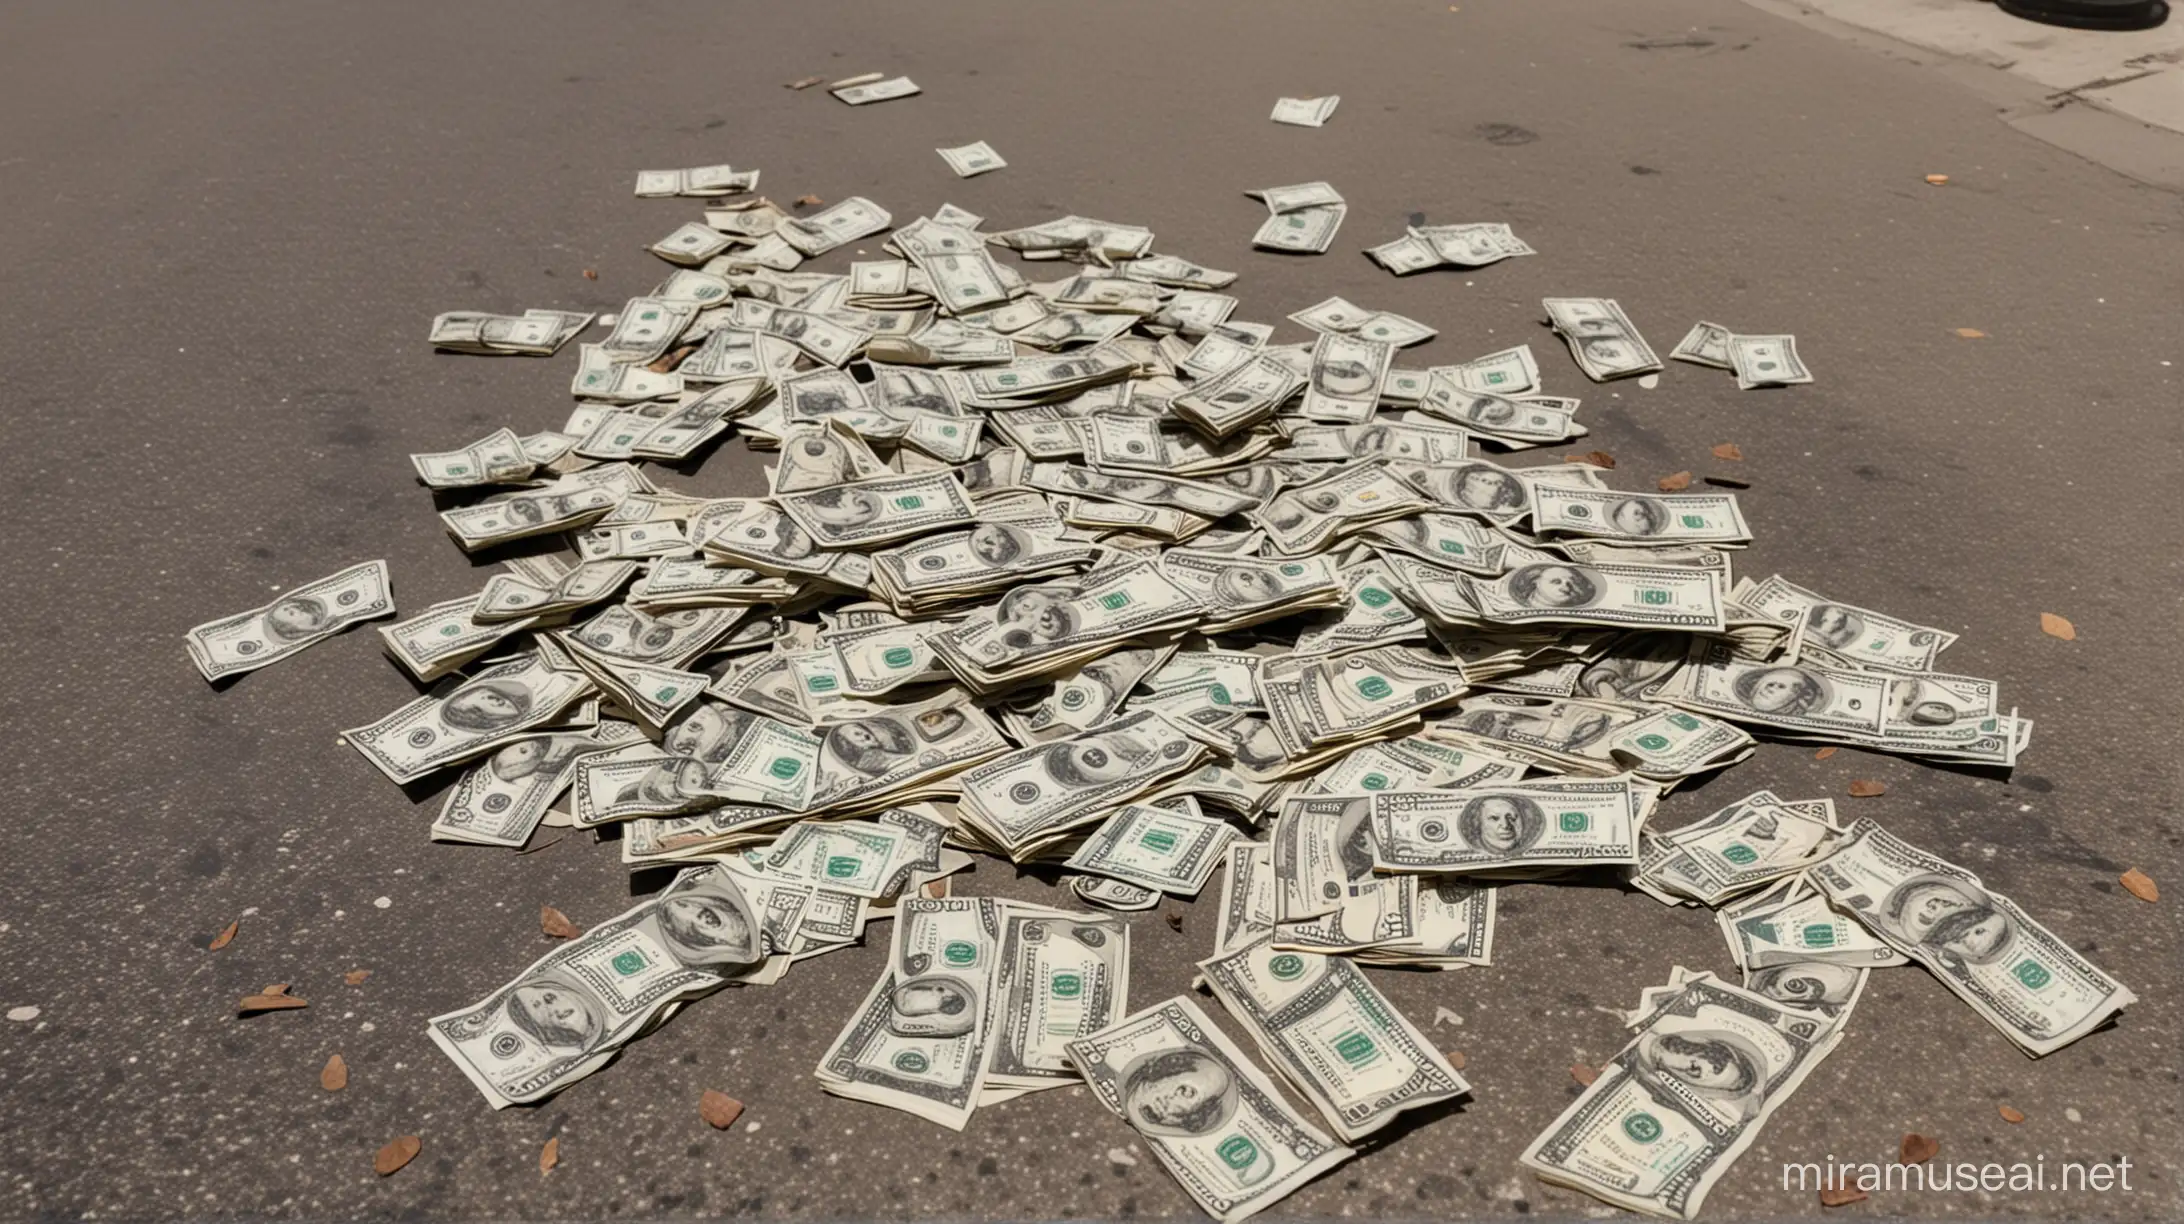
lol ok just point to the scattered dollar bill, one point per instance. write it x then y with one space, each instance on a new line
1305 112
971 159
1601 337
877 91
2013 971
310 613
1214 1120
1670 1113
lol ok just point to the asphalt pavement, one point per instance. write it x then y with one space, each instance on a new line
228 226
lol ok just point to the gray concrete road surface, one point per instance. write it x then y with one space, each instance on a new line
227 226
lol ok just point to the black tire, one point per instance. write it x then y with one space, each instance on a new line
2090 14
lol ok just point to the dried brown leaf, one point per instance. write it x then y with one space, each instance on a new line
719 1110
1600 459
936 889
2140 885
1456 1059
1867 788
268 1000
1583 1074
1676 483
667 362
1175 922
1917 1148
2055 626
556 924
1971 333
809 201
1842 1195
804 82
1729 451
591 274
334 1076
277 988
355 977
2010 1115
550 1155
1729 482
225 937
392 1157
1937 180
1825 753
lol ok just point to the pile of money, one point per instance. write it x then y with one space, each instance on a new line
1759 361
1088 571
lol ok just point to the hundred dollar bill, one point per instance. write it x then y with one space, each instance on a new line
1405 255
1191 497
1706 344
1347 698
1601 337
310 613
1670 1113
1334 1036
1742 846
1172 851
1413 441
573 1008
646 328
447 635
971 159
600 377
1452 926
1472 245
1112 894
1345 381
1559 822
1802 931
1240 591
494 706
1619 595
1766 361
1024 799
1248 897
570 502
1413 764
877 91
1320 851
691 244
536 333
508 596
1306 518
696 181
494 459
1951 717
833 226
1506 420
1837 632
1689 518
2018 974
1060 976
754 533
500 802
863 857
1214 1120
861 515
1306 230
1048 626
1239 396
919 1040
1175 273
866 760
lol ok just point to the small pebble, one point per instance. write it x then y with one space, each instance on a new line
384 902
2073 1114
22 1014
1121 1156
1650 381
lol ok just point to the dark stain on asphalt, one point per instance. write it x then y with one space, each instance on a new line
1643 170
1670 41
1506 134
2034 783
205 862
1418 218
1866 471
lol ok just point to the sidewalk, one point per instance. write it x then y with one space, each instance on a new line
2060 75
